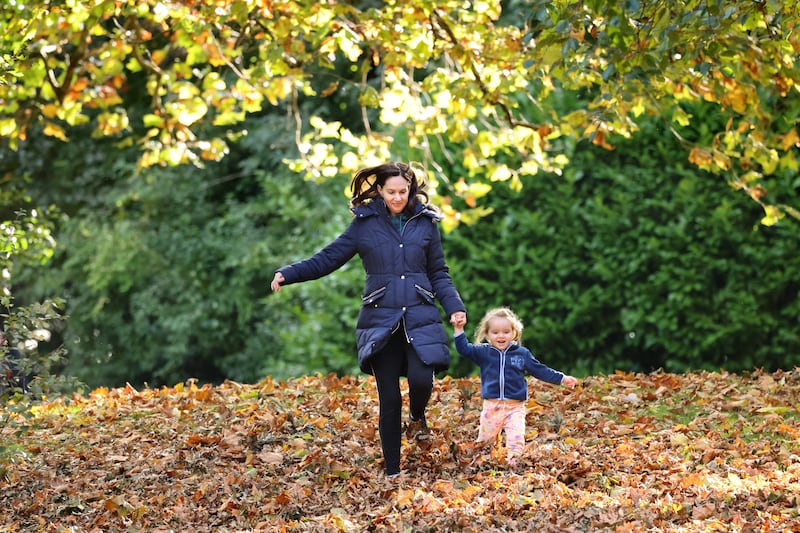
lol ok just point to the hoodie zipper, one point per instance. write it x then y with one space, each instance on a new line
502 378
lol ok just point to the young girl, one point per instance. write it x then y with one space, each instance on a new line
503 363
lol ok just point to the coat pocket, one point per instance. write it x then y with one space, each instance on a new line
428 296
374 296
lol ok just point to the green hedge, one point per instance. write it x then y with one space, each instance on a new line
166 272
632 260
635 260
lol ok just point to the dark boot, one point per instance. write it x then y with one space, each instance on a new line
418 429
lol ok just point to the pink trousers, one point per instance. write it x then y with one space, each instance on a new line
508 415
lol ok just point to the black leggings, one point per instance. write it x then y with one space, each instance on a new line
399 358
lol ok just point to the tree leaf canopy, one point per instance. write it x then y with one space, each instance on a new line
479 75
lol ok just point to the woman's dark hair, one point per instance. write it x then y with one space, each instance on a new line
365 183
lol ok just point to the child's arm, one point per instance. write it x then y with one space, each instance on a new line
463 346
544 373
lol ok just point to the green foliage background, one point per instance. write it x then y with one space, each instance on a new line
632 260
166 273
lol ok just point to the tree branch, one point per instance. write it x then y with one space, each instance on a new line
505 111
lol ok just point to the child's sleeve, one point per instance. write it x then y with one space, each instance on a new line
465 348
541 371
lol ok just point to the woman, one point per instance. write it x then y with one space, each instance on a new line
399 330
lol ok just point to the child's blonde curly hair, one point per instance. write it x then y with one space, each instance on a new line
482 331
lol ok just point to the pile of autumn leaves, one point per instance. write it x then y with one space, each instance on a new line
625 452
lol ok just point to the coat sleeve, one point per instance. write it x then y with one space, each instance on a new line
327 260
439 274
541 371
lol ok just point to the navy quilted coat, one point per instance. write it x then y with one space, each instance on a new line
406 274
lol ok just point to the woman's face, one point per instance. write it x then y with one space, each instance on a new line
395 193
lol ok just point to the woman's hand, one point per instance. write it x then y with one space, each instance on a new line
276 282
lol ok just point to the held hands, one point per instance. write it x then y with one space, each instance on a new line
276 282
459 320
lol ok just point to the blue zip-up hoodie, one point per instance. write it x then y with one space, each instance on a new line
503 373
406 275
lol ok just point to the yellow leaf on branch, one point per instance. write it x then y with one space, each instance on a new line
790 139
54 130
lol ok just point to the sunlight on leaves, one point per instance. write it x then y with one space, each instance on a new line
469 81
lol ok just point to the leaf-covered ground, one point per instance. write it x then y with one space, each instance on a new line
626 452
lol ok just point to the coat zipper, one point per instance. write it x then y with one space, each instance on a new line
403 319
431 294
406 224
373 293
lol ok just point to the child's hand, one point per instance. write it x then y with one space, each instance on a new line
569 381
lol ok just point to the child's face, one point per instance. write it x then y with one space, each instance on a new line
500 333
